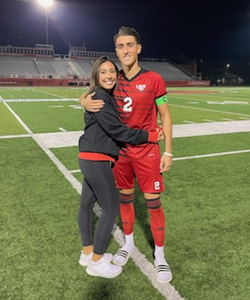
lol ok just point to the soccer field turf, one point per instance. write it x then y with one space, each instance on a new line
206 200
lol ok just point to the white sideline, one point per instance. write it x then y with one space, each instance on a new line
199 129
211 155
17 117
70 139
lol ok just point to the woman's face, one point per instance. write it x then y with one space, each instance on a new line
107 75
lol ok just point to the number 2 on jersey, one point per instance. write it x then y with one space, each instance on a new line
128 104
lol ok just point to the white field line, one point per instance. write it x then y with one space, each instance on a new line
146 267
14 136
62 129
17 117
62 88
42 100
207 120
208 95
188 122
42 92
211 155
212 110
244 118
195 157
211 128
70 138
75 171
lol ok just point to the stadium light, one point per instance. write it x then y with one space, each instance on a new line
46 4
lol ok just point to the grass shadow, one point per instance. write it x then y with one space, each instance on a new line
104 289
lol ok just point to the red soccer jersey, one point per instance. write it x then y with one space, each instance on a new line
135 101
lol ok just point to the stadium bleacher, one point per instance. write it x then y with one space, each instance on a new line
41 62
63 68
165 69
21 66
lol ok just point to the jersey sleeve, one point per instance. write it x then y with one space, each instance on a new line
160 90
109 120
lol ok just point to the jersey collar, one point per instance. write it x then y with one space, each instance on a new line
136 75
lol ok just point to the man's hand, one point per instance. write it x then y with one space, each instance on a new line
89 104
160 134
165 164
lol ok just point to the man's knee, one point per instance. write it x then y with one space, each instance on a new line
154 203
126 198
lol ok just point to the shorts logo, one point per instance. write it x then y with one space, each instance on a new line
141 87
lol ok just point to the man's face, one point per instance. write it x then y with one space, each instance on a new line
127 50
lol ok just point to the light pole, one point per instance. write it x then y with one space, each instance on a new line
46 4
201 70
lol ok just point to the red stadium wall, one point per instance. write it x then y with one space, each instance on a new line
186 83
83 82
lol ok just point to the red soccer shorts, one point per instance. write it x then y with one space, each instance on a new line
146 170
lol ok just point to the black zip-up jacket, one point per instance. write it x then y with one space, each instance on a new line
105 133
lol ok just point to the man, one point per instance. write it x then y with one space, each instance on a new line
139 96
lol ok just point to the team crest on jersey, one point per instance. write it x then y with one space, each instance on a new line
141 87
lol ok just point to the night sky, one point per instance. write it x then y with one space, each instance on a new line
194 29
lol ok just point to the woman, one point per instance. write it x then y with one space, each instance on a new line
99 148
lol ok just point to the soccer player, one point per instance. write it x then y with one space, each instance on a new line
140 96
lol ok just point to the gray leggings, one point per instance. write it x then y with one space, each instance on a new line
98 185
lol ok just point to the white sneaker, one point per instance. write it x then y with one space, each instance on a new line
84 258
163 271
103 268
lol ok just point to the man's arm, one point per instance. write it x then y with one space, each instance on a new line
109 120
90 105
166 122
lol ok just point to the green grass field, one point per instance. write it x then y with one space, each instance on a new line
206 201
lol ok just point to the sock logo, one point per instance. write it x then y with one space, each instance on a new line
125 222
160 228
